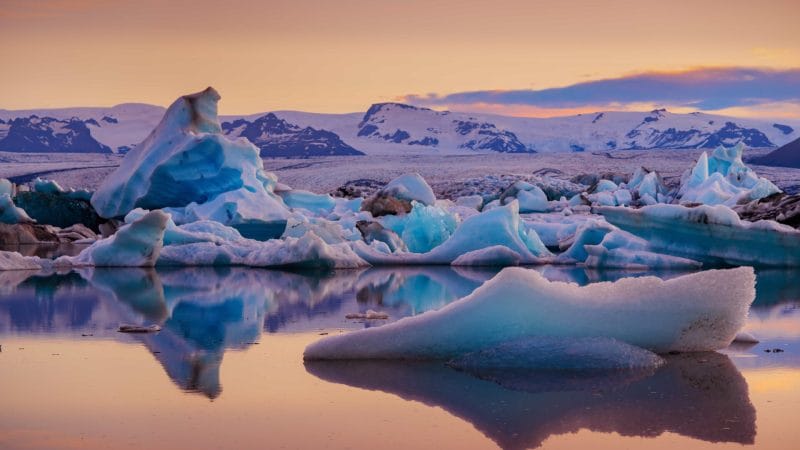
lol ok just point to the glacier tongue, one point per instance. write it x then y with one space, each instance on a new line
187 165
697 312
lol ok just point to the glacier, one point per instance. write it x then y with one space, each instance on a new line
696 312
189 168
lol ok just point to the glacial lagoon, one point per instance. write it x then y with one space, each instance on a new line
226 370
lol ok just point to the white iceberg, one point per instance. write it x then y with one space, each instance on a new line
308 251
710 234
15 261
723 179
697 312
410 187
137 244
188 167
531 198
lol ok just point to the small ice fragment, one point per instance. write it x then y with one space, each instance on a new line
369 315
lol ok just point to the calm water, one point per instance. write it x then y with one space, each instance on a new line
226 371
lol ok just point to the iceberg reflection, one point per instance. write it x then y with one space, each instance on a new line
702 396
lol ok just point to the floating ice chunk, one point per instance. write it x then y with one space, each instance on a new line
10 213
606 186
623 197
15 261
424 228
745 338
723 179
135 245
470 201
498 226
200 231
559 354
710 234
697 312
411 186
602 256
308 251
6 187
531 198
496 255
309 201
187 165
330 232
47 186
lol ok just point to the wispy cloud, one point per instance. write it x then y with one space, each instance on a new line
705 89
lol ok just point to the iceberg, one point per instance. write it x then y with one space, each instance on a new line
10 213
410 187
713 235
602 245
135 245
308 251
498 226
189 168
15 261
697 312
314 203
423 229
723 179
531 198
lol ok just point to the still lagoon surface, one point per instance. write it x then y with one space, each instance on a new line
226 370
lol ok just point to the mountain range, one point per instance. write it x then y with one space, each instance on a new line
393 128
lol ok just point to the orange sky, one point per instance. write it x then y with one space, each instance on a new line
339 56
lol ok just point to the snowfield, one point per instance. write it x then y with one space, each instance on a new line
450 176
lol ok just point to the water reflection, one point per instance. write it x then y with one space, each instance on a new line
205 312
699 396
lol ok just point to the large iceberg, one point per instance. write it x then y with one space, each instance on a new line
697 312
713 235
723 179
189 167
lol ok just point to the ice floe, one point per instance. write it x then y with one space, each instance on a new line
697 312
713 235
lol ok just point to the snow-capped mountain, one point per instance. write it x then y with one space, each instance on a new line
116 129
409 125
395 128
46 134
279 138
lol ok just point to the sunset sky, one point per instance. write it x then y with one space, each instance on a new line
519 57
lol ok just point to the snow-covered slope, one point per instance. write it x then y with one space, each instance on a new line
394 128
118 127
278 138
